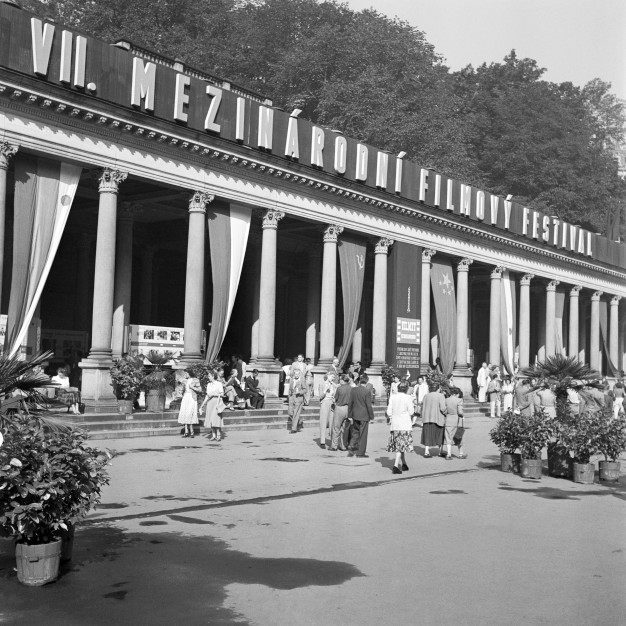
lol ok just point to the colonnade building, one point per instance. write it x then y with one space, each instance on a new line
138 192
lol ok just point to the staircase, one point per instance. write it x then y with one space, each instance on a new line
143 424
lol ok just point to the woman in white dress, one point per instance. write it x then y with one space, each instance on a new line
400 413
188 414
214 406
69 396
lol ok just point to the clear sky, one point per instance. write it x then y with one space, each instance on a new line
575 40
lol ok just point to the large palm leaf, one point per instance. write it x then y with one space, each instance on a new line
563 373
27 377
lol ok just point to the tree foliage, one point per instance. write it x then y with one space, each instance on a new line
500 126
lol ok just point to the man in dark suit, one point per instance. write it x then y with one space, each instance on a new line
257 395
361 412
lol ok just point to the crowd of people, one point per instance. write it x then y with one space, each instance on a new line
525 395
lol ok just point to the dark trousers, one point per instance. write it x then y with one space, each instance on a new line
358 439
257 400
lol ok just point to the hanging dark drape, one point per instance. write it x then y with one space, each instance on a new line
44 192
442 282
352 264
228 238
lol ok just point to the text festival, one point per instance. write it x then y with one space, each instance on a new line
237 118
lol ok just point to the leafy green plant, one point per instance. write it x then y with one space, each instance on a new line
127 375
582 436
507 433
47 480
435 378
535 432
201 370
611 436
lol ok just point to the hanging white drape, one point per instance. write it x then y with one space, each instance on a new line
44 192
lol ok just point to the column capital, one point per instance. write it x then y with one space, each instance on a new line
552 285
615 300
109 180
496 273
199 200
271 218
383 245
7 150
595 297
525 279
575 290
428 254
129 211
332 232
463 265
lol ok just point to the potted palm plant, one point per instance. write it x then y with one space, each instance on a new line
159 380
611 443
127 374
561 374
507 436
535 432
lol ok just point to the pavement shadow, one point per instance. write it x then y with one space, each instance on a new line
154 578
386 461
489 461
616 490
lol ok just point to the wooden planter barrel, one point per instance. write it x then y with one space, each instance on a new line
584 473
609 471
38 565
531 468
511 462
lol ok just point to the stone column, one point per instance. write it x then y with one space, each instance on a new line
494 316
427 255
551 317
313 303
7 150
329 295
573 322
269 368
462 310
524 320
194 278
97 391
147 265
123 277
614 331
379 310
267 301
582 334
379 315
254 239
595 361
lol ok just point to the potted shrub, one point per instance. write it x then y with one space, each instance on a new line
611 443
126 376
48 480
561 374
507 436
581 438
535 432
158 381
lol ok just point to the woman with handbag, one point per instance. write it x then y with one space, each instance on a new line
214 407
455 423
400 413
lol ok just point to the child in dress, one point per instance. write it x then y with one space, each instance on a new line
188 414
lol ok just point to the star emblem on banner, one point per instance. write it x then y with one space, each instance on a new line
446 285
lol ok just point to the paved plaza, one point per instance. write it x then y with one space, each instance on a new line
265 528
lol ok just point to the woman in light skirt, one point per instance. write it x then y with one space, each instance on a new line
188 414
214 406
400 412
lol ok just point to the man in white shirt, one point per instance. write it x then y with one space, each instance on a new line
482 380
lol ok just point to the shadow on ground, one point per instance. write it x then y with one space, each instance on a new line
153 578
574 492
